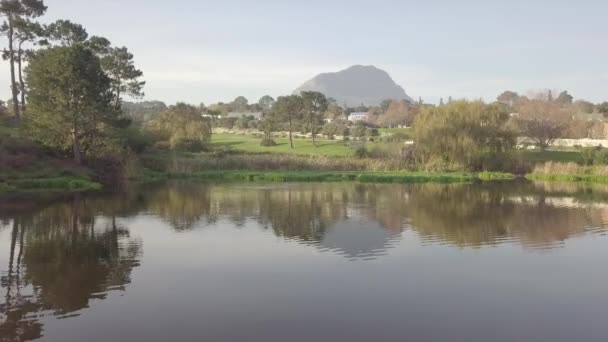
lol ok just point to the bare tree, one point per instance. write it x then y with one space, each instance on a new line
543 121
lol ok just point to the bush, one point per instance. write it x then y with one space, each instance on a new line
136 139
601 157
359 131
397 137
189 145
268 142
361 152
588 155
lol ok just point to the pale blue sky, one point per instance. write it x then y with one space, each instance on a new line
216 50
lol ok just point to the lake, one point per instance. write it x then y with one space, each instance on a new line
194 261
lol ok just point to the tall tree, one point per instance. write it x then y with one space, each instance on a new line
315 106
120 67
508 97
266 102
26 31
240 104
564 98
14 11
66 33
70 98
289 109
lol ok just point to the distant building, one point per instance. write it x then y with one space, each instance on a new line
256 115
358 116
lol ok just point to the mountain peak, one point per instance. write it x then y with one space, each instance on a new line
356 85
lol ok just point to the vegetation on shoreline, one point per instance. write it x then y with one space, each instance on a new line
331 176
66 127
569 172
50 184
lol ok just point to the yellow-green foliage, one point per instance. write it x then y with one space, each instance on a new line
181 124
462 133
569 172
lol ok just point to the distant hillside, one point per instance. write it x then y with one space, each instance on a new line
356 85
143 111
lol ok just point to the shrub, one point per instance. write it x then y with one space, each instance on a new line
189 145
397 137
359 131
361 152
268 142
588 155
601 157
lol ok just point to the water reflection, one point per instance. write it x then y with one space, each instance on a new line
61 258
68 250
361 219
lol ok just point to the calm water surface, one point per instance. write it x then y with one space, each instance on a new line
190 261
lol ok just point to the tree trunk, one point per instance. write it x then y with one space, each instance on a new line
21 82
117 100
76 147
312 131
290 139
11 52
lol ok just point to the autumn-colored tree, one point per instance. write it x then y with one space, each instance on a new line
543 121
398 113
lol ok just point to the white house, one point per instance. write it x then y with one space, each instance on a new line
358 116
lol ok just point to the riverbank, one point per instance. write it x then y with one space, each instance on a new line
569 172
71 184
333 176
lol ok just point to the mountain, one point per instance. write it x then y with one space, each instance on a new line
356 85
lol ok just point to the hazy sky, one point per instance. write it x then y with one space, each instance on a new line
201 50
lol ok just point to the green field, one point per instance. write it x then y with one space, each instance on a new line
405 131
249 143
551 155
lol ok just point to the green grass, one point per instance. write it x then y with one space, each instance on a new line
363 177
568 178
50 184
405 131
550 155
249 143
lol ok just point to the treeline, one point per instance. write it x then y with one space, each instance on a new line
66 85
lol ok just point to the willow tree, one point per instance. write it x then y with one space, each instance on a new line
70 98
14 12
462 134
183 127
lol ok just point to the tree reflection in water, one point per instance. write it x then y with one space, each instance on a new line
67 251
61 258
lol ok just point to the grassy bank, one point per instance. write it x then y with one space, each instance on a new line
331 176
49 184
569 172
303 147
27 167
